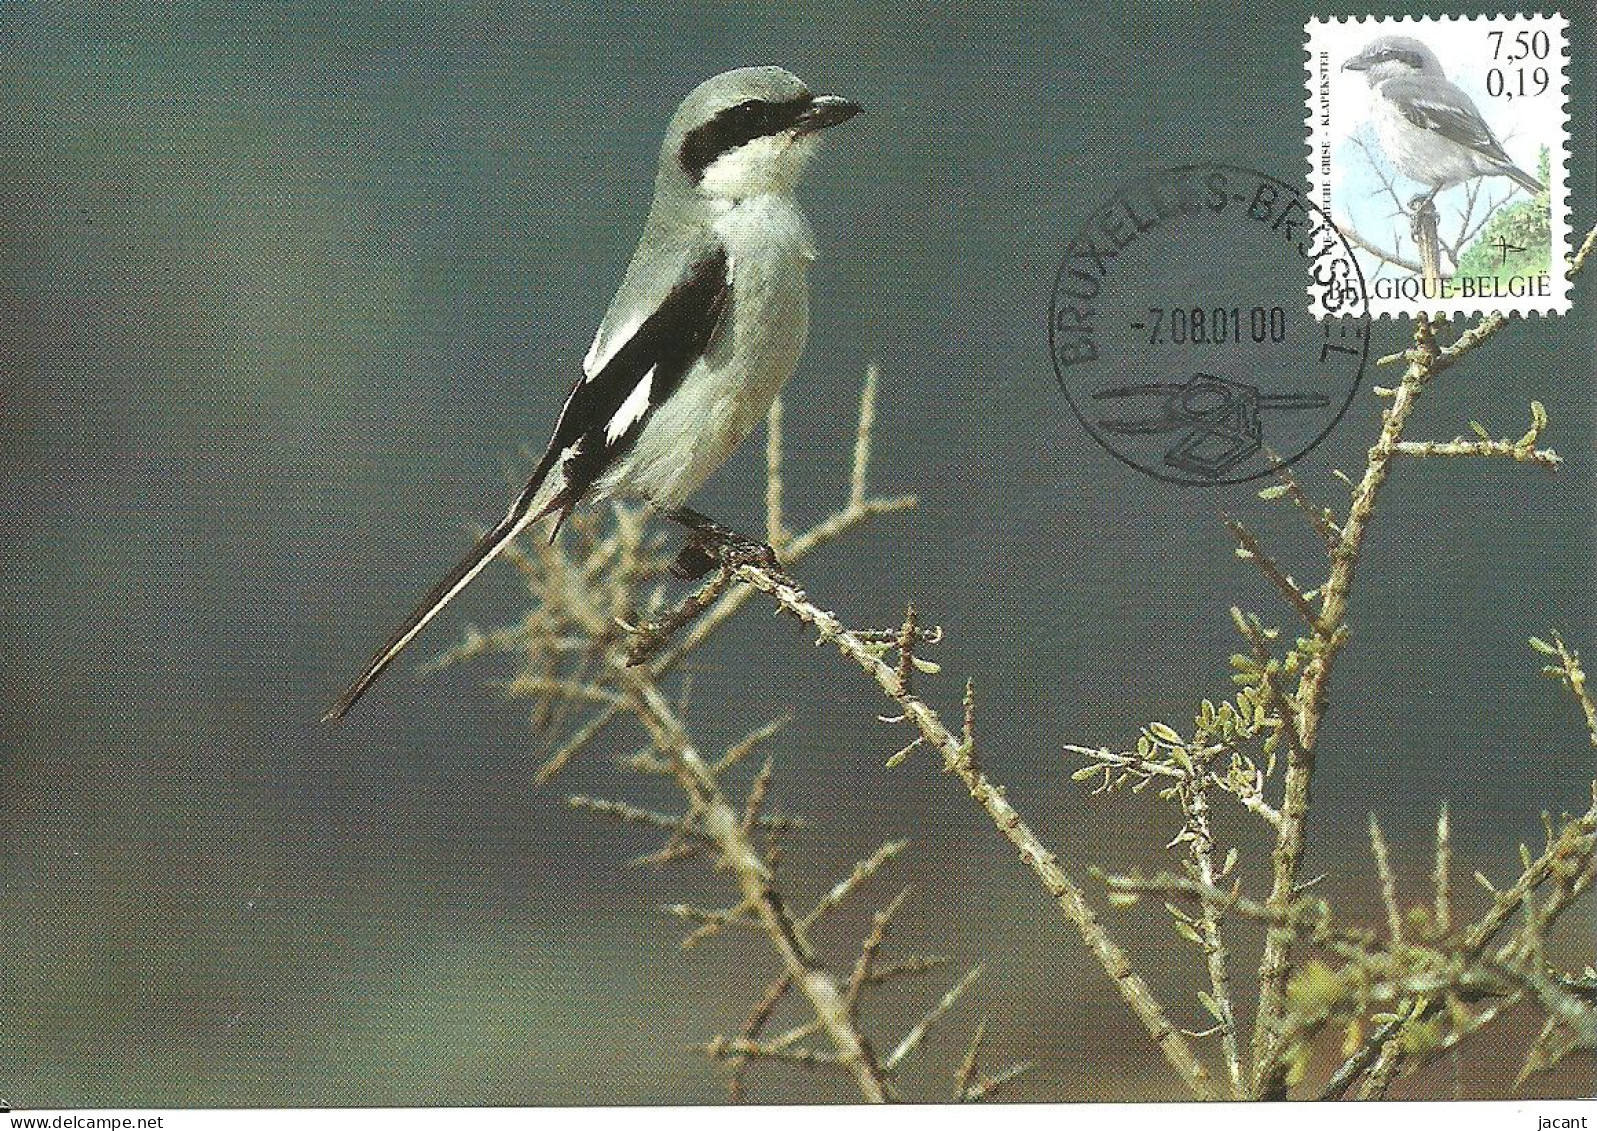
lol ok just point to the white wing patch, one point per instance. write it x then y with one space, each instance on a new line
631 410
605 347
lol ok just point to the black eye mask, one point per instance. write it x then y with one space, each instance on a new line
735 126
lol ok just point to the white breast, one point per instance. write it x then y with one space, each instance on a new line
1420 154
727 393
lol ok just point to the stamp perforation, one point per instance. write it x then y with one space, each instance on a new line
1429 279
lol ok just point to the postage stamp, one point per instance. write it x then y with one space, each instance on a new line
1438 147
1192 373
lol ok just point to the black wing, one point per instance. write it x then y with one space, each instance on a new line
606 411
1444 109
601 421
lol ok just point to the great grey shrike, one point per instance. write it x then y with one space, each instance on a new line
1428 127
704 331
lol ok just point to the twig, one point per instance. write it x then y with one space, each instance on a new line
758 1017
756 798
1383 869
988 1086
1362 1057
1313 686
629 814
1200 844
648 639
711 920
1543 457
1271 570
722 823
913 1038
744 1049
1391 1055
1441 875
845 887
862 438
959 761
966 1076
746 745
867 955
1319 517
1352 236
576 743
1573 676
914 964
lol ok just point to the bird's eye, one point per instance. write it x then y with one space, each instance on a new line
734 126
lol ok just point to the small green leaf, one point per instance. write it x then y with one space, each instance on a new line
1297 1064
1165 734
1273 492
1542 646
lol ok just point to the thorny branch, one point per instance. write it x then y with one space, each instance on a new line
1425 972
1426 359
958 755
725 826
578 649
1281 707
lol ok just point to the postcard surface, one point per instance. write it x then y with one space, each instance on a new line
566 556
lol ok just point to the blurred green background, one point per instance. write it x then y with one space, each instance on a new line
284 288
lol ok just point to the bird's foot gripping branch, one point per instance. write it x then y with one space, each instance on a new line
706 328
1370 1005
595 654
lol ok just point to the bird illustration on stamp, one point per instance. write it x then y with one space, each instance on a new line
1439 147
1428 127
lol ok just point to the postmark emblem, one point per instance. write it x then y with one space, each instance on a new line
1179 331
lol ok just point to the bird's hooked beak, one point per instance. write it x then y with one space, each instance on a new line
1357 63
825 111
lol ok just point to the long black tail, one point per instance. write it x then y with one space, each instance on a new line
1525 180
528 508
